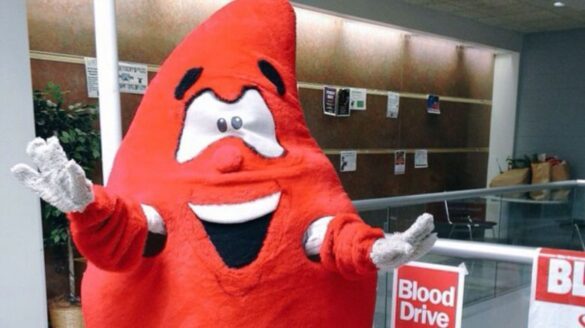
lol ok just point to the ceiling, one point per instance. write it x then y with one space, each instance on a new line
524 16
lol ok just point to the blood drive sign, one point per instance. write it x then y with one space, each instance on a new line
558 289
427 295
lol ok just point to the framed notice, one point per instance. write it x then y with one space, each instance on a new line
91 77
433 105
558 289
348 161
427 295
343 103
329 101
393 105
357 99
421 159
132 77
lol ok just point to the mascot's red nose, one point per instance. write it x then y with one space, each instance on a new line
228 159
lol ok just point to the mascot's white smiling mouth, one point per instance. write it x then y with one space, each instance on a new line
237 213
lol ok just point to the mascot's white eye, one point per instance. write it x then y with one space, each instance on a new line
209 119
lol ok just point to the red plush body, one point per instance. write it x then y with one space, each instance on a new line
188 283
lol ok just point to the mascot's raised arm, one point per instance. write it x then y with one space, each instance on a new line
258 231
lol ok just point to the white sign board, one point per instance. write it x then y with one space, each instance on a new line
357 99
91 77
348 161
393 105
132 77
558 289
427 295
421 159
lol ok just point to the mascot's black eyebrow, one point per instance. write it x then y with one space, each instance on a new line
272 74
187 81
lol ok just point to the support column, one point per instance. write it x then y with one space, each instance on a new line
109 90
22 272
504 101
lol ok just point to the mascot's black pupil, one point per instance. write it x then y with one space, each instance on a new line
237 122
222 125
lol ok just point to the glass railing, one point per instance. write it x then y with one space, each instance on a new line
494 232
545 215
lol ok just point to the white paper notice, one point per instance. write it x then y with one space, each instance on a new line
399 162
357 99
348 161
91 76
132 77
421 159
393 105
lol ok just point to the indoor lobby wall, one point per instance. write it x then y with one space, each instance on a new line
332 51
551 118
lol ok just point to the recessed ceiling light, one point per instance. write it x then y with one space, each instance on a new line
559 4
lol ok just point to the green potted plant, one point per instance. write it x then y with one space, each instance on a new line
76 127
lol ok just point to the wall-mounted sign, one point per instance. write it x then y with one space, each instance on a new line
132 77
558 289
91 77
433 105
336 102
421 160
348 161
329 100
399 162
343 101
393 105
427 295
357 99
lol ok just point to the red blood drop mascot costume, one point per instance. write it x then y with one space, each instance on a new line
219 162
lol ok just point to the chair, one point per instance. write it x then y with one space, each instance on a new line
467 224
576 226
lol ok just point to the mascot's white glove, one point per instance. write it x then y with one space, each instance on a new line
60 182
399 248
387 253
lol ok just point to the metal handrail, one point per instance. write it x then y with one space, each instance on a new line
484 251
384 203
